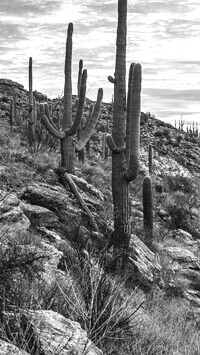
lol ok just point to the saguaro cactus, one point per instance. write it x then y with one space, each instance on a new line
31 113
31 123
70 128
125 150
148 210
150 159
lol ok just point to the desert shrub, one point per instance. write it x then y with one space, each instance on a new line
182 203
97 174
21 259
179 183
39 140
173 327
4 138
178 210
98 302
166 132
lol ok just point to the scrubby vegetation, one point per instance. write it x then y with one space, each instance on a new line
118 315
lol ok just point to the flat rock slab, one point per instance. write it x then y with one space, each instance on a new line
10 349
39 216
56 334
54 198
88 188
145 262
183 265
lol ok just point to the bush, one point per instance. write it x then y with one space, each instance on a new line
98 302
179 183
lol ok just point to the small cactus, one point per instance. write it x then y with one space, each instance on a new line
31 123
148 210
150 159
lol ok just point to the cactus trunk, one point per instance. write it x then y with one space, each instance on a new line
67 149
119 183
124 142
31 108
148 210
120 192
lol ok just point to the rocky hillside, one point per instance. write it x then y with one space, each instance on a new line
59 290
166 139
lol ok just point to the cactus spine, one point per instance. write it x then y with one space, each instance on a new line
70 128
125 156
148 210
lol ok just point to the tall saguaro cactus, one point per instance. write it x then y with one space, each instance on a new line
124 142
69 127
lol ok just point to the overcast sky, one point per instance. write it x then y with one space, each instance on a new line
163 35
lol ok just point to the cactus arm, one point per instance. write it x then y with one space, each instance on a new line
134 124
111 143
91 110
80 70
111 79
47 113
128 114
88 130
79 113
67 114
31 89
49 125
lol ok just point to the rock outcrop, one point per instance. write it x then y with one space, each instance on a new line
51 333
44 227
10 349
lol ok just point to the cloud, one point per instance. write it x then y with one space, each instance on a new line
173 95
168 103
170 6
179 28
162 35
10 32
28 7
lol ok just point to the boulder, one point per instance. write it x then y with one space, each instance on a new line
57 208
54 334
87 188
54 198
39 216
144 261
13 223
8 201
182 265
10 349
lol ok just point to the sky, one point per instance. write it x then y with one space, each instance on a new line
162 35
